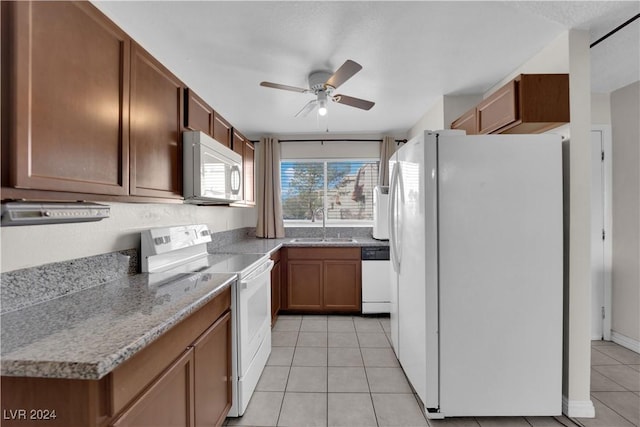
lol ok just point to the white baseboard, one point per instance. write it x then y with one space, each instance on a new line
578 408
626 342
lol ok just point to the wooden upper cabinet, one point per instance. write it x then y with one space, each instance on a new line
530 103
248 160
198 114
156 127
543 103
245 148
467 122
66 71
499 109
237 142
222 130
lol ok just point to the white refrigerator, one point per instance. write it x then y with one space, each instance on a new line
476 235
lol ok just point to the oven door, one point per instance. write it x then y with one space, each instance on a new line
254 313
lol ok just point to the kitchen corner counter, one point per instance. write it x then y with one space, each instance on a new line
268 246
87 334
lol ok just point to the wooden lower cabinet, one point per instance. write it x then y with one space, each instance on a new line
168 402
323 279
276 279
183 378
212 391
341 290
305 285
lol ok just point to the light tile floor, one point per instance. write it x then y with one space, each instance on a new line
341 371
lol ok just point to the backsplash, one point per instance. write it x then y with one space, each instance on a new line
29 286
25 287
225 238
331 231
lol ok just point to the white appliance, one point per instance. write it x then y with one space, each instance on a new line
212 173
173 251
476 225
376 291
251 321
380 212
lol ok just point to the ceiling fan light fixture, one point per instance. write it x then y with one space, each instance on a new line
322 109
322 103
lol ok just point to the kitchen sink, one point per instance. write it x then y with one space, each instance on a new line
325 240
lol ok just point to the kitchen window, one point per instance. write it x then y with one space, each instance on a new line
344 188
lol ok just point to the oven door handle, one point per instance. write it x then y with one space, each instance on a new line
257 275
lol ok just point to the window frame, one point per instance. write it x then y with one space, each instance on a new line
329 222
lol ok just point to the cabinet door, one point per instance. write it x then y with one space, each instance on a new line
498 110
198 114
275 291
167 402
212 367
467 122
237 142
156 127
67 94
304 285
342 285
248 165
221 130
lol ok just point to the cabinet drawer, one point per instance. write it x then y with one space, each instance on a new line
323 253
130 378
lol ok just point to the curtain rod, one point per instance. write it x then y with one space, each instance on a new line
615 30
334 139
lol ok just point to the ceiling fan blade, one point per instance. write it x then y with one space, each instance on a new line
363 104
311 105
344 73
284 87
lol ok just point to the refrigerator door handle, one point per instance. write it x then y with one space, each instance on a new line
393 232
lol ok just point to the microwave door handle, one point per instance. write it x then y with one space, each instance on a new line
235 172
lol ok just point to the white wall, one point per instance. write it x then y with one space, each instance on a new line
433 119
457 105
28 246
625 130
331 149
600 108
444 111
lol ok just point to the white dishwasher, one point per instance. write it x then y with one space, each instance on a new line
376 290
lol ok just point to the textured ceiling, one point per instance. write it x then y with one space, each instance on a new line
411 52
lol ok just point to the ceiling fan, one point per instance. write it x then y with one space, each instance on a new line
323 84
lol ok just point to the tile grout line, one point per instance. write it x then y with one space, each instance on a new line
286 384
616 412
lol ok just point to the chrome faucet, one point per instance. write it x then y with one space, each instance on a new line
324 221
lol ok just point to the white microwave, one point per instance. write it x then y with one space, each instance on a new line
212 173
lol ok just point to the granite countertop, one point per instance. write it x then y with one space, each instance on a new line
268 246
87 334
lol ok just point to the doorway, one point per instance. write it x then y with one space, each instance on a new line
601 232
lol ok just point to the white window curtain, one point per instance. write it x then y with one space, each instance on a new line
270 224
387 148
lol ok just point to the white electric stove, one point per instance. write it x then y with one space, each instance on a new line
182 250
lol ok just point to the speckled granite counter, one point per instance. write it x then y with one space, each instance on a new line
87 334
267 246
